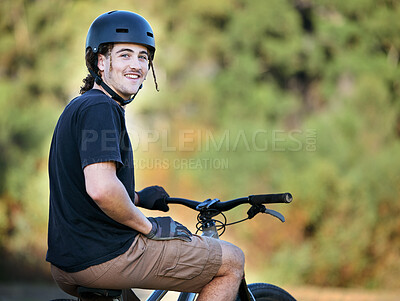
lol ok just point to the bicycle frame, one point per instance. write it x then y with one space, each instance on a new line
209 230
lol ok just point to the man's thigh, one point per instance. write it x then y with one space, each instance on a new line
170 264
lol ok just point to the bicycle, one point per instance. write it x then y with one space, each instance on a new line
208 226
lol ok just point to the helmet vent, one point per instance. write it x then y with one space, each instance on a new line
122 30
150 34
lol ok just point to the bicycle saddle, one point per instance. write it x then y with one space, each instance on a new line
87 292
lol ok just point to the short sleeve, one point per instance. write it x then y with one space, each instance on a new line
99 132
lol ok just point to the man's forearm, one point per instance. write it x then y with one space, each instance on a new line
118 205
110 195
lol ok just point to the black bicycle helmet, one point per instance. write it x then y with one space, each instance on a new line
119 27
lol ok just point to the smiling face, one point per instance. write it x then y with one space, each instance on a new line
125 68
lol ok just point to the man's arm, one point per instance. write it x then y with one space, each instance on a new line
104 187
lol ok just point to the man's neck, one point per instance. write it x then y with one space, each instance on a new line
98 87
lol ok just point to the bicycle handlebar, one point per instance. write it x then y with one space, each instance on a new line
257 199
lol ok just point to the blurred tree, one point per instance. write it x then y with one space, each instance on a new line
32 40
316 84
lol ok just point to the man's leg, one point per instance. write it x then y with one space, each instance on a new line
225 284
213 268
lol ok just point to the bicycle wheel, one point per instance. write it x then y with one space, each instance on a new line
268 292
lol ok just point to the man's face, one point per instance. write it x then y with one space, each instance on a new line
125 68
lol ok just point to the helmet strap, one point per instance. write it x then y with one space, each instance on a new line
110 91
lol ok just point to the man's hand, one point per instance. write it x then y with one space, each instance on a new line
153 198
165 228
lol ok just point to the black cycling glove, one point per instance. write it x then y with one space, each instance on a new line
153 198
165 228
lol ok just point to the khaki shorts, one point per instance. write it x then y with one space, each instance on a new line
149 264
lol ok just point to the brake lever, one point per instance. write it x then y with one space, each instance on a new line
254 210
275 214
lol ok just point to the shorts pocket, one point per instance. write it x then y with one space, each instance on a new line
182 260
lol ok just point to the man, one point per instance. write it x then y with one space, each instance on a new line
97 235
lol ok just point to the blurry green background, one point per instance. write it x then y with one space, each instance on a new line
255 97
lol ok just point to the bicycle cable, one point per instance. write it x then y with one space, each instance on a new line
220 225
237 222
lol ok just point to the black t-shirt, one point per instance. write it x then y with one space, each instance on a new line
90 130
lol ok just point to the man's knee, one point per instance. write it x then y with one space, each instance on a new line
232 258
238 255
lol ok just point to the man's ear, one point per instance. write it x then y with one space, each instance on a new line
101 62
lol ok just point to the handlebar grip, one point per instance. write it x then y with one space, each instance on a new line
259 199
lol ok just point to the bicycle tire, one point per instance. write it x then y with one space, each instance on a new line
268 292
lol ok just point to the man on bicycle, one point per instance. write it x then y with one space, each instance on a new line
97 236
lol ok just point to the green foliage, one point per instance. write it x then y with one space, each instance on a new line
28 93
319 81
